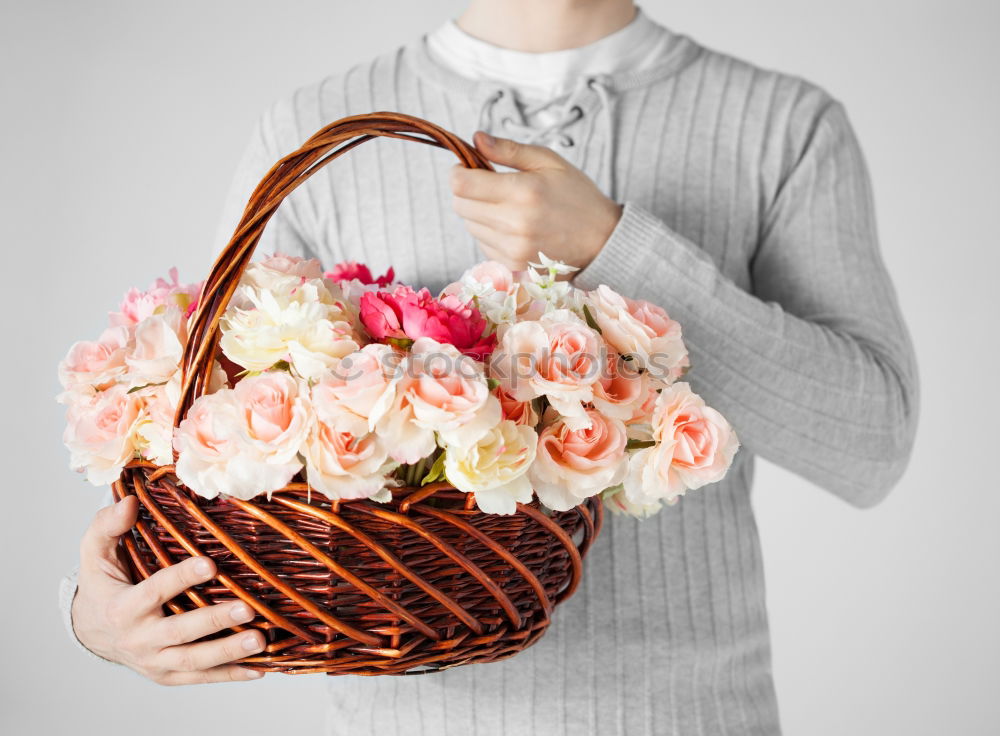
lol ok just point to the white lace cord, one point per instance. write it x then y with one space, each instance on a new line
486 111
570 114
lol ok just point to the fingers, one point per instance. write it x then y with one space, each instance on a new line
483 213
224 673
187 627
98 548
486 186
149 595
521 156
489 238
205 655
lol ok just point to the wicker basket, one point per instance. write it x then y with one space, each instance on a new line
419 584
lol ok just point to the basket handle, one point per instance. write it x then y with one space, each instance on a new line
284 177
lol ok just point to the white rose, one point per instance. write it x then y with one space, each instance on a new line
307 333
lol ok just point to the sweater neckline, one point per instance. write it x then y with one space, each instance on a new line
682 52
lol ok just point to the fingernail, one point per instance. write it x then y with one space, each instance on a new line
254 674
241 612
202 566
250 643
120 508
488 139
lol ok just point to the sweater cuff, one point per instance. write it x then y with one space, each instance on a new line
624 263
67 592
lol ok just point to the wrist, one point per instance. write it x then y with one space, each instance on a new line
611 214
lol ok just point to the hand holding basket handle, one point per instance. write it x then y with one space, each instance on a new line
424 582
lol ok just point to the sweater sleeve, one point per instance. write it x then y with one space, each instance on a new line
815 368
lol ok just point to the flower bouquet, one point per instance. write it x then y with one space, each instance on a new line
395 481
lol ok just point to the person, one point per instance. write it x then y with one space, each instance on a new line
735 197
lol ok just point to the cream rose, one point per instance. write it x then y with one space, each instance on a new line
641 330
695 446
100 432
557 356
617 500
308 333
154 435
495 467
572 465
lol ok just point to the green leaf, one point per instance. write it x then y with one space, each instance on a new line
591 322
148 385
639 444
400 342
492 383
436 472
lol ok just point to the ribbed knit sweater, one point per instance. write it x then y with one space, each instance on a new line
748 216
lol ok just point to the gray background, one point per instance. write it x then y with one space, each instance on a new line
122 123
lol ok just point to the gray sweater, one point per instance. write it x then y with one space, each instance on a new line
748 216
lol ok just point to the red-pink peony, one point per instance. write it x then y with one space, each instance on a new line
352 270
405 314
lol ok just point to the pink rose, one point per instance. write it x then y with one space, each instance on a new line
354 271
521 413
620 389
572 465
157 348
492 274
557 356
244 441
642 412
276 414
437 394
346 397
212 449
405 314
303 268
695 446
100 432
641 330
499 295
138 305
341 465
95 365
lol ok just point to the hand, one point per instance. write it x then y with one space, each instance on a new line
547 205
125 623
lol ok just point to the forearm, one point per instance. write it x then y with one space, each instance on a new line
830 399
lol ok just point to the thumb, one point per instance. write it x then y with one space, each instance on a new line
99 547
516 155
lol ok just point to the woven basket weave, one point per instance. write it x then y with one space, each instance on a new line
418 584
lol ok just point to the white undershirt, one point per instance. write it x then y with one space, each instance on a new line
544 76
